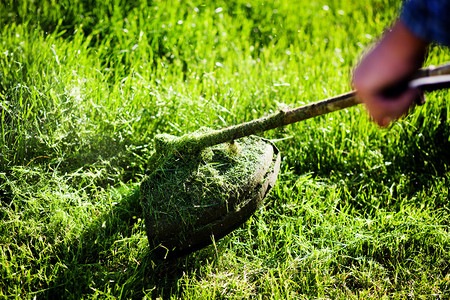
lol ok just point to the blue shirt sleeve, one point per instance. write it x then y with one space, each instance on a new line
428 19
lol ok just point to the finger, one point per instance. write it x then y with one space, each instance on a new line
385 110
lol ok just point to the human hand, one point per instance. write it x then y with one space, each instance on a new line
397 56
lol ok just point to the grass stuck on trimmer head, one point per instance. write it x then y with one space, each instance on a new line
192 198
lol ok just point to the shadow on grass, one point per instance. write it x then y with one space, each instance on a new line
94 264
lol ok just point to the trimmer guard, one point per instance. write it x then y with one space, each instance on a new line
169 237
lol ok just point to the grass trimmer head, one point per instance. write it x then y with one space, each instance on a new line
191 199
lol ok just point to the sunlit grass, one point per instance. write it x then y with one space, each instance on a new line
357 211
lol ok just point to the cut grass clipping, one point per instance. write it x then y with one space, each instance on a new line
188 193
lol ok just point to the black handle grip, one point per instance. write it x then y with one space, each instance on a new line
424 84
395 90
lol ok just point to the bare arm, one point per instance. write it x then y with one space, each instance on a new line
395 57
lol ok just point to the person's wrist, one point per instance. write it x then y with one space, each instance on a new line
407 50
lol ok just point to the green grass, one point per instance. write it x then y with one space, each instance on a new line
357 212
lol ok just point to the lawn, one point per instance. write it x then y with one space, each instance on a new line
357 211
